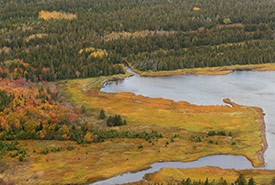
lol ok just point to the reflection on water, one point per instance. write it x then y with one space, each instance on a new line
251 88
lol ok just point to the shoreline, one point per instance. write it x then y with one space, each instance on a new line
259 155
230 175
223 71
259 110
260 120
207 70
256 159
149 166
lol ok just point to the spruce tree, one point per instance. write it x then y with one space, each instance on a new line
251 181
241 180
102 114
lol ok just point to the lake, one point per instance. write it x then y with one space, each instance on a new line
252 88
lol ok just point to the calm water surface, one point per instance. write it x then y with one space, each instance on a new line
223 161
252 88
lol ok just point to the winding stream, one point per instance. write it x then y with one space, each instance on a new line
251 88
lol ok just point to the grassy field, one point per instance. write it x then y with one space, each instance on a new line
170 118
173 175
96 161
83 164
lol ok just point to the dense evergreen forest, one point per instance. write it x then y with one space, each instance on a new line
65 39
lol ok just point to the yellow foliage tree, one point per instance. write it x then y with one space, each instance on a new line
99 53
41 134
95 53
64 129
30 126
56 15
88 137
196 8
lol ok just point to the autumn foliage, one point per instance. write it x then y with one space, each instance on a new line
196 9
46 15
28 112
93 52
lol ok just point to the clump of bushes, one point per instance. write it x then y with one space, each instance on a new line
47 150
196 138
57 149
21 158
115 121
70 148
109 134
218 133
210 141
4 147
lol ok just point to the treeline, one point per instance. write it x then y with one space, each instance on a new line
241 180
50 49
257 52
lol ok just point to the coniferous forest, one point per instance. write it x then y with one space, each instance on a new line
67 39
58 127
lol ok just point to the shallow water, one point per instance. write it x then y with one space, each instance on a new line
223 161
253 88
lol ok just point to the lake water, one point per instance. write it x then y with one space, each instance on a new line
223 161
253 88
